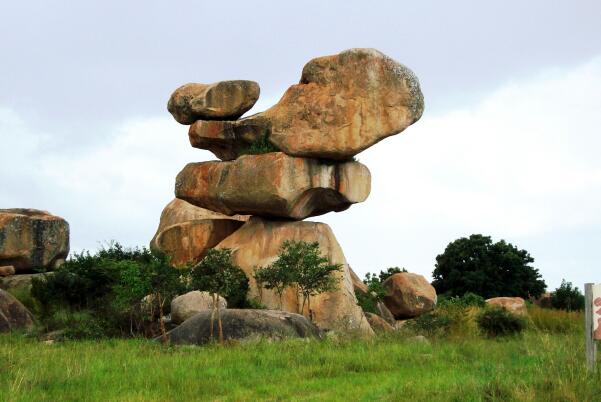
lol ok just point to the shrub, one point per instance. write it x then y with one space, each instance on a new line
261 145
106 288
467 300
567 297
556 321
389 272
432 324
496 321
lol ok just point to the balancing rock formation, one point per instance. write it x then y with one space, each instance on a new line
290 162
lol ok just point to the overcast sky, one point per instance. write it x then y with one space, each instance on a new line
508 145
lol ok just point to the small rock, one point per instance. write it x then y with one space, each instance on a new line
378 324
13 315
515 305
219 101
185 306
7 270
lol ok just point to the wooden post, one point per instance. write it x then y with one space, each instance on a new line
591 347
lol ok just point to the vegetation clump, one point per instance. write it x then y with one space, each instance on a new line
567 297
488 269
496 321
261 145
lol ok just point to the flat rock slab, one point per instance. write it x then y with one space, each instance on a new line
258 243
344 104
13 315
221 100
241 324
274 185
31 239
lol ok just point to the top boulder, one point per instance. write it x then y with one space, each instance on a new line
224 100
344 104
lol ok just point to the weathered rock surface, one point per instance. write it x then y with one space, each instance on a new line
274 184
409 295
515 305
221 100
186 232
7 270
377 323
358 284
13 315
30 239
544 301
385 313
241 324
21 282
344 104
191 303
258 244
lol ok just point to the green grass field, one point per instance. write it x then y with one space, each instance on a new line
537 366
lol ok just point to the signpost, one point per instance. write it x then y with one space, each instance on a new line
592 294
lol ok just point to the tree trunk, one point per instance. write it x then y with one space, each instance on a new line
212 316
161 322
219 320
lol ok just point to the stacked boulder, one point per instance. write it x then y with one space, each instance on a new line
290 162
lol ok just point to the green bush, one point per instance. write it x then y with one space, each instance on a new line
433 324
103 292
261 145
467 300
567 297
496 321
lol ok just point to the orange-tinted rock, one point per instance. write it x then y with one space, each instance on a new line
358 284
258 243
409 295
344 104
274 184
221 100
378 324
186 232
515 305
31 239
7 270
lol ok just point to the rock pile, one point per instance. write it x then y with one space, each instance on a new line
293 161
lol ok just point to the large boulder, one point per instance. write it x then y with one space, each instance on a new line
13 315
342 105
258 244
409 295
275 185
31 239
191 303
221 101
241 324
515 305
186 232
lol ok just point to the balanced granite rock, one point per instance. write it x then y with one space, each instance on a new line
32 239
409 295
274 185
243 324
258 243
343 104
13 315
221 100
186 232
7 270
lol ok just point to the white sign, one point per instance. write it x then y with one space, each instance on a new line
597 312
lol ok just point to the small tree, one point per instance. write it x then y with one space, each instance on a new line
567 297
217 275
274 277
312 273
389 272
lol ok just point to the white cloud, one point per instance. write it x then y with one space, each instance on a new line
521 164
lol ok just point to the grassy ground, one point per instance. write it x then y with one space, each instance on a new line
535 367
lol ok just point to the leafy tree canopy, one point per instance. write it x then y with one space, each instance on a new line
488 269
567 297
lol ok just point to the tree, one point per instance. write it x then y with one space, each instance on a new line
567 297
488 269
274 277
217 275
389 272
300 263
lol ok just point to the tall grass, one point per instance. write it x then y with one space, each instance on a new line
538 366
